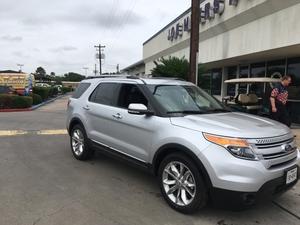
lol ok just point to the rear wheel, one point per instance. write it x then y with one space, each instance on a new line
79 143
181 184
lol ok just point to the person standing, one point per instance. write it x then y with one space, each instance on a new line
278 99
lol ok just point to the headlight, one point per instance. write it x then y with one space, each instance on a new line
236 146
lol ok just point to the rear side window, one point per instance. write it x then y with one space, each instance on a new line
105 94
81 89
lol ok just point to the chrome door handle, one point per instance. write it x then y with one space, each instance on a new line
86 107
117 116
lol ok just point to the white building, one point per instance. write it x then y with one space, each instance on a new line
238 38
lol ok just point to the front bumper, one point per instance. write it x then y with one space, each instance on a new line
240 200
230 173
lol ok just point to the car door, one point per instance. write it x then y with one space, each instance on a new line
132 134
99 109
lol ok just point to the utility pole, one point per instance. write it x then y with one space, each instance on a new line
99 49
194 41
95 71
118 68
20 65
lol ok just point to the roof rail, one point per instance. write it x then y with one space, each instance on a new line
169 78
113 76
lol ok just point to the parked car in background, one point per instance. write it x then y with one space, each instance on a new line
42 85
198 149
8 90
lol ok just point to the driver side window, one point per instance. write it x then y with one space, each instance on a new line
130 93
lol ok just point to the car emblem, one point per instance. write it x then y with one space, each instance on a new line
287 148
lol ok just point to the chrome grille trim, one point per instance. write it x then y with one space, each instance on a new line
278 155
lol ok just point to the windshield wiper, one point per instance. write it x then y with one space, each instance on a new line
186 112
218 110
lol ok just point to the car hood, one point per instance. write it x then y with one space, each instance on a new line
232 125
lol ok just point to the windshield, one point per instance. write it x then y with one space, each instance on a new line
185 99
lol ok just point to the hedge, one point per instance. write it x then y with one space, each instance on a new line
15 101
36 99
45 92
41 91
66 90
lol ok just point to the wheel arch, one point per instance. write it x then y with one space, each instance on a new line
74 122
177 148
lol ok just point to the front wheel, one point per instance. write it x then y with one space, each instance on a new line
79 143
181 184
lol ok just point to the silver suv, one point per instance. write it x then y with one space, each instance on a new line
199 150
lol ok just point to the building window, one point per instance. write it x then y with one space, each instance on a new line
243 73
216 81
232 74
294 89
211 81
204 81
257 70
276 68
294 72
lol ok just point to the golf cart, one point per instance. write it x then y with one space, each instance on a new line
249 101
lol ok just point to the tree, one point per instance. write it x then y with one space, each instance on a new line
176 67
52 74
171 67
40 73
75 77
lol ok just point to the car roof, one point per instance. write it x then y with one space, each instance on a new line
139 80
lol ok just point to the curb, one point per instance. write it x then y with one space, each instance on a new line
33 107
46 102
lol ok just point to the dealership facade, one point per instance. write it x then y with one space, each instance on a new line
238 39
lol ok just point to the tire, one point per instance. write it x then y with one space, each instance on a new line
183 188
80 144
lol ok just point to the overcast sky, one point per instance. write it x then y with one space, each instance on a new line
60 35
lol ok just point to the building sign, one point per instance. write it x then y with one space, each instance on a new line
207 13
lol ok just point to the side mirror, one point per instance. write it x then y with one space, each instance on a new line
139 109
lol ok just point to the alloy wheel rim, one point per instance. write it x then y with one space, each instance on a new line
77 142
179 183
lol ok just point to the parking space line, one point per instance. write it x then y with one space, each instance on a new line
7 133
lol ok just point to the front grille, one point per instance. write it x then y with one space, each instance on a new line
278 154
274 151
274 144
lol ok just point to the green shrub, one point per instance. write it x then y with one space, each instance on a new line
53 92
36 99
66 90
42 91
15 102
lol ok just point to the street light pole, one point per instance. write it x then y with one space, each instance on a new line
194 41
20 65
86 69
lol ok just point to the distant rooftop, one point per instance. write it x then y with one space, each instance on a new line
137 64
10 71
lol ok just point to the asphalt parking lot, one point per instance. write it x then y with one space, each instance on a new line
42 184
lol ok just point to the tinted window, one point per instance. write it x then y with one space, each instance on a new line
130 93
80 90
105 94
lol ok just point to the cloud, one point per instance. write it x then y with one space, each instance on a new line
88 17
11 38
66 48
